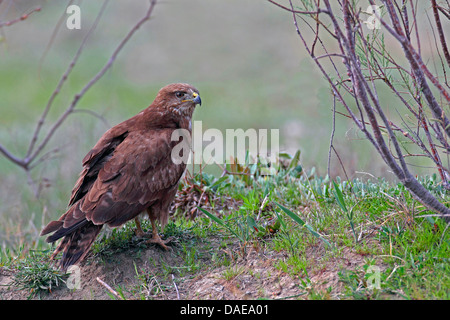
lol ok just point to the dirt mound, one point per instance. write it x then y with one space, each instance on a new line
156 274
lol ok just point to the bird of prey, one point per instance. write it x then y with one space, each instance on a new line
131 170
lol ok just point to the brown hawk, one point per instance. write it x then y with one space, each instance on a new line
129 171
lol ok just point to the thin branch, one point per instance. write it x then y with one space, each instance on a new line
108 287
333 129
340 161
94 114
341 99
440 31
53 35
21 18
415 26
444 12
319 10
329 55
176 287
418 66
12 157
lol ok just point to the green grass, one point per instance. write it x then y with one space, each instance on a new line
314 222
375 219
34 274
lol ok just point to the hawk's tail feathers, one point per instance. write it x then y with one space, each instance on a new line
76 245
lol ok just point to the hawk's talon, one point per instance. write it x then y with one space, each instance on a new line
156 239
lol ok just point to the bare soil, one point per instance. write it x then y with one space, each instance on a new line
250 275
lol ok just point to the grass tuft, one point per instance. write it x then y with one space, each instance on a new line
36 274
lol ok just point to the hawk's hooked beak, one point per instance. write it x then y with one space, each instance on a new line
196 98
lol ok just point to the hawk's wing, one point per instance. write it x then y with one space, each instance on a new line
95 160
139 173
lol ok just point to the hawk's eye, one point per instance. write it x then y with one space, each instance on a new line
180 94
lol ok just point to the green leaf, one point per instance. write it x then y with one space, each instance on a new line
297 219
218 221
213 217
294 160
296 172
339 197
252 223
294 217
284 155
253 168
218 182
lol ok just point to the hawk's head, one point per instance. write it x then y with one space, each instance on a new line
178 98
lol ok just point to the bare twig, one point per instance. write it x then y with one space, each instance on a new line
418 66
94 114
53 35
333 130
114 292
445 12
297 11
176 287
21 18
440 31
8 155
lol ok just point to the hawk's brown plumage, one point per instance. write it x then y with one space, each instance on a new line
129 170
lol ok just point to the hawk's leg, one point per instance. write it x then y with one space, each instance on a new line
156 238
139 232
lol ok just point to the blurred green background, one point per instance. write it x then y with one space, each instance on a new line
244 56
